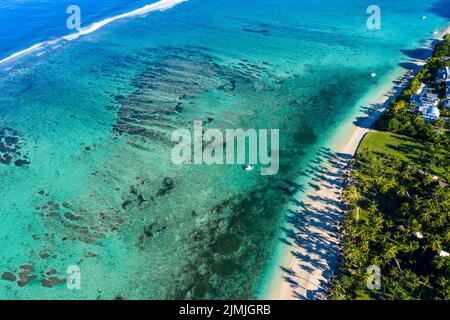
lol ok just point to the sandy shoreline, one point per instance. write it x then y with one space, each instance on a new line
306 265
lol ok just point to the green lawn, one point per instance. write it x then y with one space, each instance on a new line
409 150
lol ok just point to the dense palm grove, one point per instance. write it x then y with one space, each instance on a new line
398 215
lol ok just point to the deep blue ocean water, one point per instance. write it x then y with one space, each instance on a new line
90 120
27 22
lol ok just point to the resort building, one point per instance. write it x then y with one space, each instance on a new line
426 102
421 89
443 74
419 93
447 102
431 114
424 97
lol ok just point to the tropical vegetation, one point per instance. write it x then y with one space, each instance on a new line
398 204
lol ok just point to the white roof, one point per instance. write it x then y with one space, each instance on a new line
433 112
443 253
419 91
419 235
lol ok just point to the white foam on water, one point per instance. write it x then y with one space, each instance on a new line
161 5
20 53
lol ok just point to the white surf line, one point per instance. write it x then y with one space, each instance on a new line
161 5
17 54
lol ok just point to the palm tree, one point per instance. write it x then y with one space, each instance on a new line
373 208
445 287
401 191
426 216
377 224
391 252
436 244
351 196
385 186
440 262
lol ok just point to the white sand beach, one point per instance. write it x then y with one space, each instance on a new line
306 266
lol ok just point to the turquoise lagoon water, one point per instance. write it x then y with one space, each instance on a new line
87 178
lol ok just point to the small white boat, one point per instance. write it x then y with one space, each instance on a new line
373 74
248 168
424 17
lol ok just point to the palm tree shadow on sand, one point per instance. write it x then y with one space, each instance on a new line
313 224
313 227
